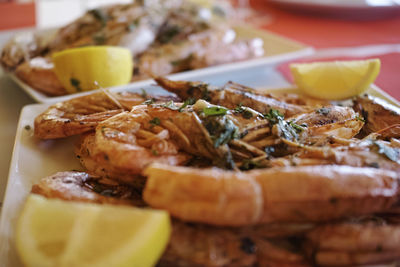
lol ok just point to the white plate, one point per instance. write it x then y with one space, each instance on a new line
33 159
355 9
277 49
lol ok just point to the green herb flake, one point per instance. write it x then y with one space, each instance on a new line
100 15
187 102
148 102
154 152
215 111
296 127
168 34
359 118
273 116
76 83
99 38
133 25
245 113
155 121
27 127
323 111
144 93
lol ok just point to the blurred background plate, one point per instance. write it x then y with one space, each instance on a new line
354 9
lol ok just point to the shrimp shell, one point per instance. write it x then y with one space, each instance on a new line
83 114
288 194
350 244
80 186
230 95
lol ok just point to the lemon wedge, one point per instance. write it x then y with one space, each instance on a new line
91 67
52 232
337 79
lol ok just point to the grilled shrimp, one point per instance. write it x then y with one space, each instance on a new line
368 153
80 186
126 143
358 242
82 114
189 244
201 49
378 115
290 194
231 95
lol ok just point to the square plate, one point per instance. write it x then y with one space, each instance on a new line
34 159
277 49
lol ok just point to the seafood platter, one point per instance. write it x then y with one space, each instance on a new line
176 171
164 36
249 177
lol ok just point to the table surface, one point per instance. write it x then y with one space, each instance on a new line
332 37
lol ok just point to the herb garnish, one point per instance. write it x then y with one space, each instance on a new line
100 15
144 93
75 83
244 111
155 121
189 101
215 111
289 129
99 38
323 111
273 116
148 101
359 118
221 130
133 25
169 33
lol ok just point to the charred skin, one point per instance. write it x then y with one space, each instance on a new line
378 115
231 95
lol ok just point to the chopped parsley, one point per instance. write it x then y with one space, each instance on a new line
133 25
144 93
99 38
76 83
169 33
273 116
323 111
359 118
189 101
221 130
100 15
148 101
244 111
155 121
215 111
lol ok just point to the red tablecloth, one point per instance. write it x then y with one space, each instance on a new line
323 32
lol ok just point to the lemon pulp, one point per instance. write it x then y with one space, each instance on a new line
52 232
335 80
